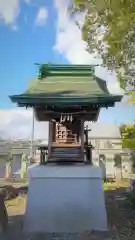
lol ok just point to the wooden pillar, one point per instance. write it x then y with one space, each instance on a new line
82 136
53 132
50 139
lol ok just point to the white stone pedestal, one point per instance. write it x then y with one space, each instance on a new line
65 199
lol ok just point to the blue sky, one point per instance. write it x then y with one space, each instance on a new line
22 47
40 31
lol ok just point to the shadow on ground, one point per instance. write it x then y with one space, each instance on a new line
22 190
9 192
14 231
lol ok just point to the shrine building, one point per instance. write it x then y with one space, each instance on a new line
66 189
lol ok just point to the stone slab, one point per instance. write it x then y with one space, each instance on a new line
65 199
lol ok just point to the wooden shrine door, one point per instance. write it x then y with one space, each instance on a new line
67 133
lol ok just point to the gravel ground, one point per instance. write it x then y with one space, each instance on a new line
121 221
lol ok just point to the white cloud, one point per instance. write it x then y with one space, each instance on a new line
42 16
27 1
15 28
9 11
68 39
69 44
17 123
111 80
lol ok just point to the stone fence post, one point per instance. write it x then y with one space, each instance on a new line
8 168
24 161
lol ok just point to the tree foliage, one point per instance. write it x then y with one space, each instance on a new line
109 29
128 136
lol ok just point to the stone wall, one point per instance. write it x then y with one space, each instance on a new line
104 154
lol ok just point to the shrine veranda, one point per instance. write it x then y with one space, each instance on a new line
66 96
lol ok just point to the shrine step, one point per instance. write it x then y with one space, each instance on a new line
66 153
66 149
65 158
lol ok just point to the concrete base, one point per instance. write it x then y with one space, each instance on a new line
65 199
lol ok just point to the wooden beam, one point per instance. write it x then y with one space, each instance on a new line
45 115
50 139
82 137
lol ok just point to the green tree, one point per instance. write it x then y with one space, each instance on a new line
128 136
109 29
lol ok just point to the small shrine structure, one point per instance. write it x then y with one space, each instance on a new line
66 96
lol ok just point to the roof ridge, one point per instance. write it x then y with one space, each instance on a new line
49 65
63 70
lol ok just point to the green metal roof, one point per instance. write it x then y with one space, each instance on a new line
66 84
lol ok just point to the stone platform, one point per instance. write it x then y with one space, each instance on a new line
65 199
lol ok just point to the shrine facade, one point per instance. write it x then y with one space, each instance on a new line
66 96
